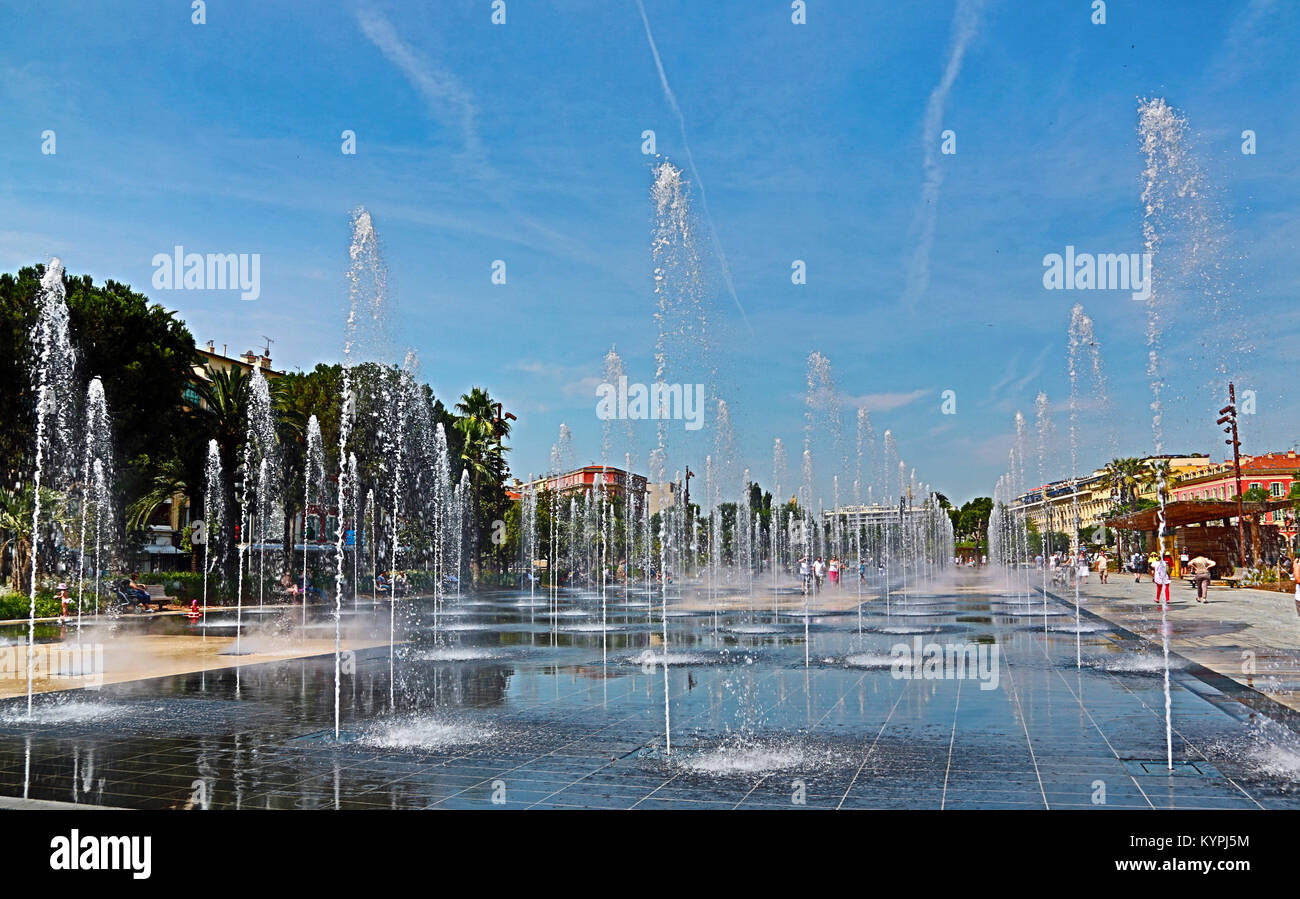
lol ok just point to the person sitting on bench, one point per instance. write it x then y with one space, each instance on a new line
135 590
309 592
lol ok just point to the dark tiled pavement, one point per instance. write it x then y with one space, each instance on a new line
545 720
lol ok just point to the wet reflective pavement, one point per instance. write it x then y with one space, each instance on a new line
503 704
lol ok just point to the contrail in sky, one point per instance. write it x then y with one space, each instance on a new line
965 23
690 160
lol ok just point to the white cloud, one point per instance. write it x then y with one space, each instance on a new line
884 402
448 100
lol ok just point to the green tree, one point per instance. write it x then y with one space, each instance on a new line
1255 494
142 353
1156 473
16 511
1126 476
482 454
972 521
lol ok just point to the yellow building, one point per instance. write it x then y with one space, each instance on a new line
1082 504
214 361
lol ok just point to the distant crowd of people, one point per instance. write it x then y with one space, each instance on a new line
1068 570
812 572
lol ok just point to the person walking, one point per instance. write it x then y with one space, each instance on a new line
1160 574
819 572
804 574
834 572
1103 567
1082 568
1200 567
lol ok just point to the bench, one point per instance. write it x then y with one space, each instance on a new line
157 595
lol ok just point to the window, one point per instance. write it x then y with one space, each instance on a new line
1275 488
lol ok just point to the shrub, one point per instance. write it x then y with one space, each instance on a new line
18 606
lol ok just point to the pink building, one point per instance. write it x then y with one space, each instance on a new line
1274 472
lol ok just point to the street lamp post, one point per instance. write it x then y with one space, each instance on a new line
1228 416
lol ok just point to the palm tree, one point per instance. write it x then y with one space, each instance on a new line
479 406
1159 471
483 456
16 509
225 409
221 417
1125 474
169 480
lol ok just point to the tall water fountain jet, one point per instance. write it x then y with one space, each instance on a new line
821 413
528 543
1082 342
724 478
214 514
866 441
258 462
780 475
1169 175
367 289
397 444
1043 423
442 499
553 559
52 376
1019 491
359 528
681 327
313 485
889 541
462 518
97 450
103 522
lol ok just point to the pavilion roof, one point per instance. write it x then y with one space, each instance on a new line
1181 513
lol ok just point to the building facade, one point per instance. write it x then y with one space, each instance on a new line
615 481
1272 472
1082 504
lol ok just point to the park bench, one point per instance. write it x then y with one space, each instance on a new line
158 593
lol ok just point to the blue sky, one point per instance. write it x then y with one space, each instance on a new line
522 142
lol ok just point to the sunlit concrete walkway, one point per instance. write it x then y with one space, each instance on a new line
131 657
1251 636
